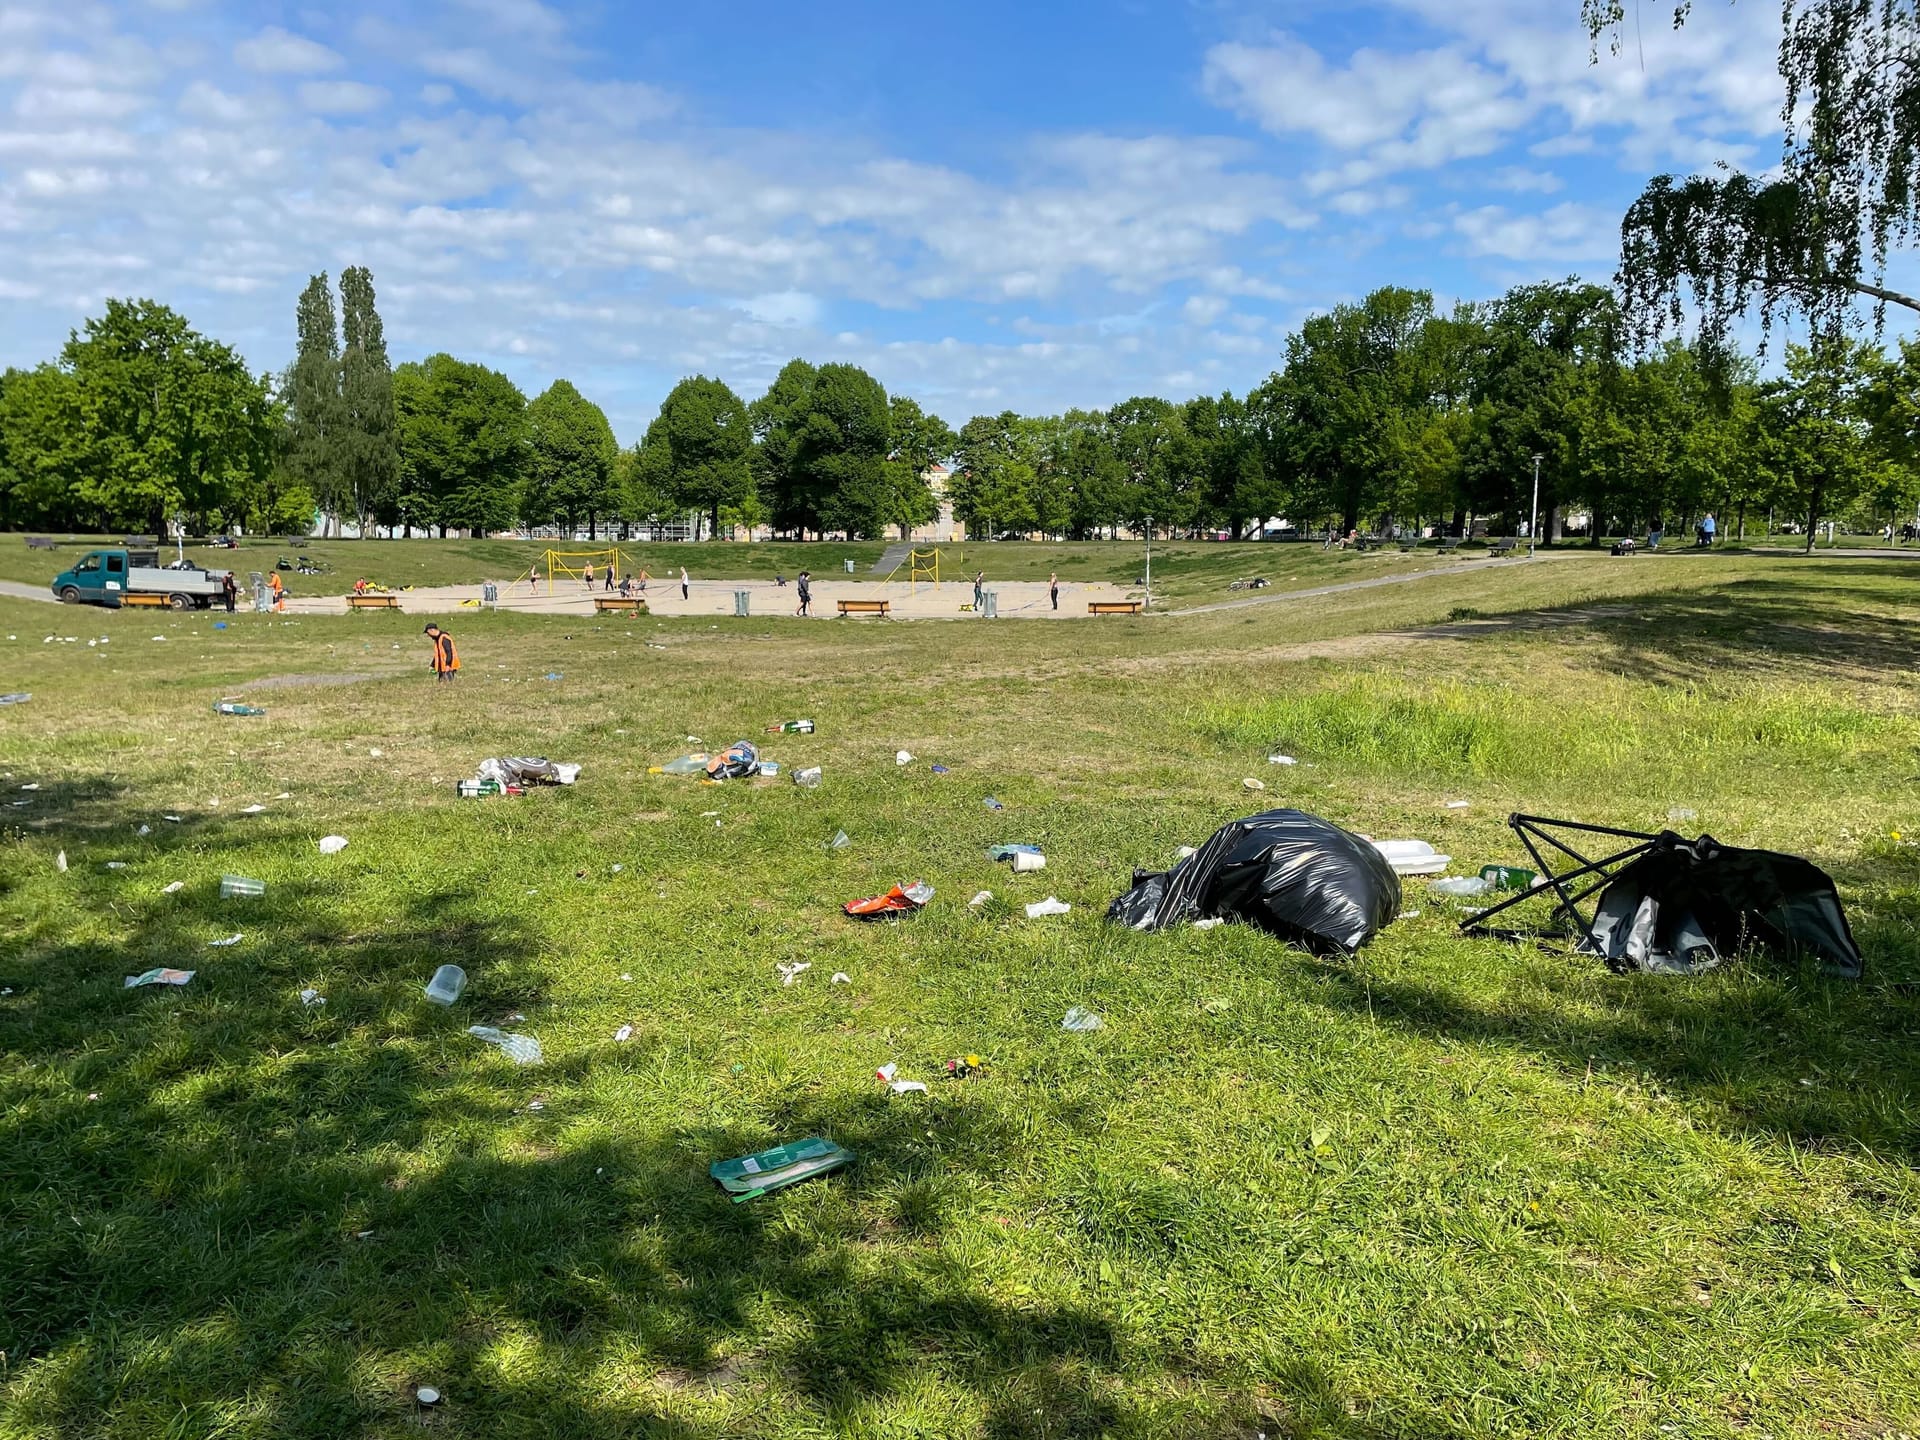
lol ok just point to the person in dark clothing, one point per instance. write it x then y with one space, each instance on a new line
228 590
446 660
1053 588
805 583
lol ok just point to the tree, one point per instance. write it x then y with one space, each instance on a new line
42 450
570 455
1819 236
777 461
841 451
1143 430
916 442
1816 421
317 436
697 449
462 445
369 442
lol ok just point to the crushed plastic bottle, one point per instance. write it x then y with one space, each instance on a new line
686 765
521 1049
1461 886
1082 1020
808 779
1681 812
992 804
447 983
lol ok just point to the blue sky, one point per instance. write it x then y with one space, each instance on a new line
990 206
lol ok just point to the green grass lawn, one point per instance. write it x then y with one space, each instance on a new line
1182 572
1450 1188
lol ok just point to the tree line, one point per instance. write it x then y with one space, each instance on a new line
1389 411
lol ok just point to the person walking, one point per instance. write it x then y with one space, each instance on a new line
589 574
533 577
610 577
979 590
1053 588
228 590
643 579
685 584
805 583
1708 529
626 587
446 659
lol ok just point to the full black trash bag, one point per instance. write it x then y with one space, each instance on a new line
1291 874
1685 904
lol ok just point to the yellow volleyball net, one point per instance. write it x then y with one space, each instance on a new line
588 567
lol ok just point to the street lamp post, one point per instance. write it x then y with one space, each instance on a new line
1533 520
1149 602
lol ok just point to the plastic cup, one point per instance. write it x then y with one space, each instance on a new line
239 887
447 983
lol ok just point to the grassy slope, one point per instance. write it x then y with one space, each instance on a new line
1182 571
1451 1188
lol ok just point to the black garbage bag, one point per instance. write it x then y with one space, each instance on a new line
1291 874
1685 904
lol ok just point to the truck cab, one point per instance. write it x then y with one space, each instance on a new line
110 577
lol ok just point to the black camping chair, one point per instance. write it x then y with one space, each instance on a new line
1541 843
1698 899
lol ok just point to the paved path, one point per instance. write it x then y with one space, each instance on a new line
1462 566
15 590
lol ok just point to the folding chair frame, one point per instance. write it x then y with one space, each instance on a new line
1535 832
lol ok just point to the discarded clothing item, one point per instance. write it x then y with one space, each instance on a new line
769 1170
901 899
1294 875
525 770
1675 906
738 761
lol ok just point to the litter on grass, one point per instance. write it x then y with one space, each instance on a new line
1281 760
523 770
790 974
839 841
18 697
901 899
1461 886
1052 905
60 862
447 983
908 1087
254 810
173 888
1009 852
791 727
521 1049
901 757
160 976
1209 924
978 900
1458 804
941 769
1079 1019
332 844
1252 784
1027 861
840 977
312 999
1412 857
233 939
116 864
236 707
623 1034
144 830
762 1173
992 804
239 887
1293 875
886 1072
807 779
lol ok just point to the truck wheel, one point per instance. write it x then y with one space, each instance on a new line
180 602
70 595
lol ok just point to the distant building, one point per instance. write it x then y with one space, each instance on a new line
943 528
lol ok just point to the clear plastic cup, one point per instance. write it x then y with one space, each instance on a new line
240 887
447 983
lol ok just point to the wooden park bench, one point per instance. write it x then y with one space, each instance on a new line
1503 547
373 602
40 542
864 607
1113 607
619 604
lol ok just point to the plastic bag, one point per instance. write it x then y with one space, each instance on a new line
521 1049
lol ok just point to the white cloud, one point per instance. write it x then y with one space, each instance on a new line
341 97
786 308
1519 180
280 52
1203 309
1566 234
436 94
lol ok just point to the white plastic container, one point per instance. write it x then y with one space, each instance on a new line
1025 860
1412 857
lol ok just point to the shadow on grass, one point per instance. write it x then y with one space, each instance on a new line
275 1220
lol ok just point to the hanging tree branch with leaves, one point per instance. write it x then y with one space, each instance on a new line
1815 240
